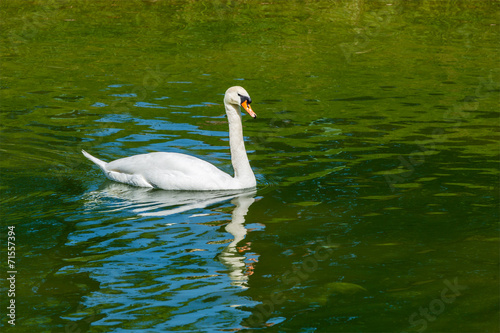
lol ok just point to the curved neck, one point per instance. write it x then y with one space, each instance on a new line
239 159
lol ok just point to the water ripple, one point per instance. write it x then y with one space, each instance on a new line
153 250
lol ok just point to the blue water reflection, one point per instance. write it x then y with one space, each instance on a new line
165 259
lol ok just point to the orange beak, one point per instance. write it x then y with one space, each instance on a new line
248 109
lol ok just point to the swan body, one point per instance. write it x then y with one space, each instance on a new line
174 171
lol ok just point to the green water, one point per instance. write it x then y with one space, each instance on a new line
375 149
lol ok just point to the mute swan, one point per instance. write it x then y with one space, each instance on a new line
174 171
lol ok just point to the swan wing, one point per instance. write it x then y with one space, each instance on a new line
168 171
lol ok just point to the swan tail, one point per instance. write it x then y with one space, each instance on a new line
98 162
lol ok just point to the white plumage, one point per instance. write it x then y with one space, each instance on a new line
174 171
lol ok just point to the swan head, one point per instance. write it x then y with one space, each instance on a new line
238 96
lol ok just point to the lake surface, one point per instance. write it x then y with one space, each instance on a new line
375 149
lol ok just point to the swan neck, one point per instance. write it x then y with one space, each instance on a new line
239 158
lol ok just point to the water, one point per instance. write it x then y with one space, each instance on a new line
375 149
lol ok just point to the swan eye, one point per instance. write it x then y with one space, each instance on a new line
245 99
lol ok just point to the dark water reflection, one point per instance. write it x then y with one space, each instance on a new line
375 149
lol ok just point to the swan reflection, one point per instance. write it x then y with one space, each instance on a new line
159 203
231 256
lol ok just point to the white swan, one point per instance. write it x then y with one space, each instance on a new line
174 171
